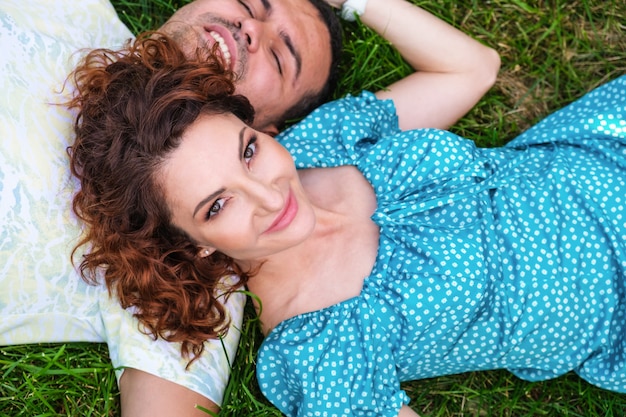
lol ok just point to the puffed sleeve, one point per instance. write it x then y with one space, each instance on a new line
338 361
329 136
363 131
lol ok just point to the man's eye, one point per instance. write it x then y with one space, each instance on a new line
280 68
248 10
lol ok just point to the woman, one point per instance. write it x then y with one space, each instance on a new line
42 297
386 255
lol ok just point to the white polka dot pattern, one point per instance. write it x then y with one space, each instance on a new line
489 258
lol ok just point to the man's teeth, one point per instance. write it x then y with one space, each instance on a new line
220 41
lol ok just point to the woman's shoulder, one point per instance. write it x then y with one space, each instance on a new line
332 134
306 328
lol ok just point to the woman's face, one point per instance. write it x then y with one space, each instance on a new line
236 190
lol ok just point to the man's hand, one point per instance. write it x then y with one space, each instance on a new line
336 3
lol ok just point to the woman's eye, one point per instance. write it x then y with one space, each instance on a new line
250 150
217 206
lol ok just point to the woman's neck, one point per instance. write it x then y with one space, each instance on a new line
330 265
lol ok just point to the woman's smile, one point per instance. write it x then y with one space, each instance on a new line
286 215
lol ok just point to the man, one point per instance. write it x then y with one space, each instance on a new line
286 61
280 49
285 52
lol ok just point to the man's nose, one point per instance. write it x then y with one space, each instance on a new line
255 33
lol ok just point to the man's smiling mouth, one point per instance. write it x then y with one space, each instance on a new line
222 45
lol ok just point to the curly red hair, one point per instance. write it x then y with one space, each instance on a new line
133 106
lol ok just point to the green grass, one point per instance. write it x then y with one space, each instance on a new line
552 52
74 379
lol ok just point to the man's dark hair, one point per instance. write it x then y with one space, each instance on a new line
313 99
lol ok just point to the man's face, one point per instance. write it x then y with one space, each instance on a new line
280 49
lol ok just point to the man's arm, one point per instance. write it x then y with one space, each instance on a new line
453 71
143 394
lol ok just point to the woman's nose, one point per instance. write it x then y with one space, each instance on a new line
268 196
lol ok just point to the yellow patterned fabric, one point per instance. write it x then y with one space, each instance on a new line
42 298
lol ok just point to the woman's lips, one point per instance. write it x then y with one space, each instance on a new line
286 216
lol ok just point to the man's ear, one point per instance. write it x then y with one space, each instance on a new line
271 130
205 251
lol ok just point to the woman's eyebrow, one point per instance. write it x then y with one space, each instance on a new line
213 195
241 135
205 200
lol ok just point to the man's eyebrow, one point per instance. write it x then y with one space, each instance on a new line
294 52
267 5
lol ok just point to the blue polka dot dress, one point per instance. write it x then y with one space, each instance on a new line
510 258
